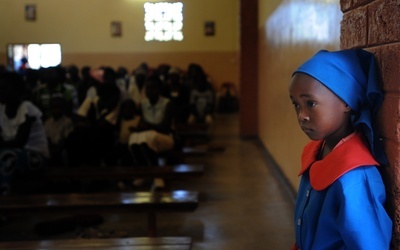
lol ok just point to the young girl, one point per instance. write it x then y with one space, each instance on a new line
341 197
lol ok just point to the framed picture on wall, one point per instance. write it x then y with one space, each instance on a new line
209 28
30 12
116 28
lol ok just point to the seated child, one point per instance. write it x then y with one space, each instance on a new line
154 133
136 87
179 95
23 143
58 127
94 138
53 85
128 122
201 102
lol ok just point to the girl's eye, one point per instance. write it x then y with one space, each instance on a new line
311 104
295 105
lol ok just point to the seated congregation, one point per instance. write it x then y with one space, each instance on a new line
63 116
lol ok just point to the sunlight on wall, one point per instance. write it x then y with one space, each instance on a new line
305 21
163 21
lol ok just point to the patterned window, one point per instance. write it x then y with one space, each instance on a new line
163 21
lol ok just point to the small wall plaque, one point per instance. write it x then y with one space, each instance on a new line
30 12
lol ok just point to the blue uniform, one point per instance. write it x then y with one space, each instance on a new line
340 203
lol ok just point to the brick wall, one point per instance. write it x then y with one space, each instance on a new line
374 25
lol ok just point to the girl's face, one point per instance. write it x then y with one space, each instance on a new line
320 113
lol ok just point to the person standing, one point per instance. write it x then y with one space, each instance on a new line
341 197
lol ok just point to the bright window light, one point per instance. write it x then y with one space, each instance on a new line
50 55
38 55
34 57
305 21
163 21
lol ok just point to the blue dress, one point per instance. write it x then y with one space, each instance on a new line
340 203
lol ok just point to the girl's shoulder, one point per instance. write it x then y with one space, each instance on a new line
365 183
364 174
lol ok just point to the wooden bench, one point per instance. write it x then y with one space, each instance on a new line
117 173
139 243
193 130
148 202
193 151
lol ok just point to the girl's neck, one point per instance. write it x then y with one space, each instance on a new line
328 146
333 139
324 151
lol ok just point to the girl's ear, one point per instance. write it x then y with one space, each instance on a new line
347 108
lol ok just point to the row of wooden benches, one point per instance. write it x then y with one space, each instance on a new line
149 202
115 173
137 243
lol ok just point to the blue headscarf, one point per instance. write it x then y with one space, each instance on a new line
352 75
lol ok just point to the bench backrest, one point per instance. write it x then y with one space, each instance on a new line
177 243
117 172
175 201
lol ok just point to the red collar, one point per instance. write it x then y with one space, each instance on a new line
345 157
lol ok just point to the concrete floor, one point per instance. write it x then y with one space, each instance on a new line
244 204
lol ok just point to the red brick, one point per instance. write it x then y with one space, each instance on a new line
391 175
377 53
383 25
389 123
387 175
389 117
392 170
393 191
345 5
358 3
354 29
392 153
390 67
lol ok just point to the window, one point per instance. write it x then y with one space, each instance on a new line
163 21
37 55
